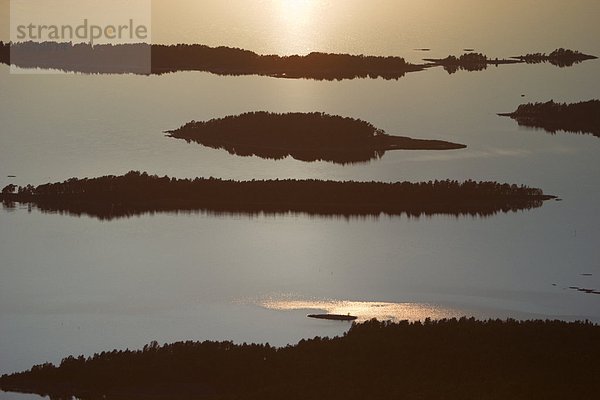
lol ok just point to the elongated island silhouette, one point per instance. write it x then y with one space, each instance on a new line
468 62
333 317
145 59
137 193
446 359
303 136
582 117
159 59
478 62
559 57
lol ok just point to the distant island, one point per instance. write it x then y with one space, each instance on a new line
584 290
583 117
138 193
468 62
478 61
303 136
146 59
559 57
333 317
446 359
159 59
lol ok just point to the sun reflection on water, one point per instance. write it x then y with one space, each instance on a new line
295 21
364 310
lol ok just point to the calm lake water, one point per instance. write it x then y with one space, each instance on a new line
73 285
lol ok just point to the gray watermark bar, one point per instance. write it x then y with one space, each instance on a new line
55 36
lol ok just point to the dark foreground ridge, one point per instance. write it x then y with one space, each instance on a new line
138 193
160 59
447 359
303 136
479 62
583 117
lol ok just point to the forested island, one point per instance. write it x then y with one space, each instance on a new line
446 359
468 62
303 136
160 59
148 59
582 117
559 57
478 61
138 193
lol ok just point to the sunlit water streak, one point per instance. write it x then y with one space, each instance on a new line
363 310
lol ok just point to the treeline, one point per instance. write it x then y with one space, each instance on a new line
303 136
559 57
314 65
446 359
160 59
137 193
582 117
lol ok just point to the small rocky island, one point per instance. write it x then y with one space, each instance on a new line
446 359
303 136
333 317
136 193
583 117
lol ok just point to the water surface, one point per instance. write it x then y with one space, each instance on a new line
73 285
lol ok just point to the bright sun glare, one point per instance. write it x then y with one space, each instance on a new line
295 28
296 12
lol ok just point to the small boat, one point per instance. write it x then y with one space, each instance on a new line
333 317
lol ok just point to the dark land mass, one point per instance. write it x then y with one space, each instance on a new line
303 136
584 290
559 57
160 59
146 59
583 117
137 193
479 62
468 62
447 359
333 317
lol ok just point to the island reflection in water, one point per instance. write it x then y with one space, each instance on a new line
363 310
